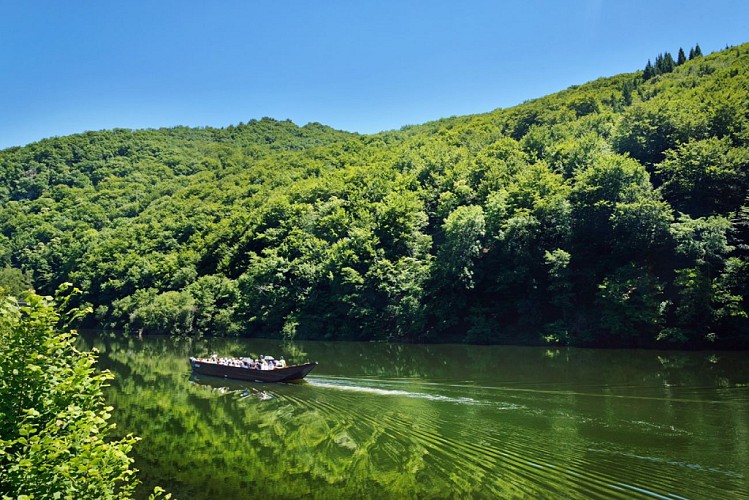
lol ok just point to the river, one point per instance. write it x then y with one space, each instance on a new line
378 420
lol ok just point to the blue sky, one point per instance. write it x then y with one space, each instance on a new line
361 66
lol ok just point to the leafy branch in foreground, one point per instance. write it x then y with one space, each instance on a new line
54 423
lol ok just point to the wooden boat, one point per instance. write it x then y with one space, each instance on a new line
286 374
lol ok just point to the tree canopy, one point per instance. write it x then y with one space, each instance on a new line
611 213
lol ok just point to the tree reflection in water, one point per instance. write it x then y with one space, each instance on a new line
401 421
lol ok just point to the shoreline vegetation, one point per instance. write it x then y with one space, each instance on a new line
611 214
56 439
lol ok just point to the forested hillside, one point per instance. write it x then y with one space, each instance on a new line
614 213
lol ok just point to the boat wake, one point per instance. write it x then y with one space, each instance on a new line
385 388
478 439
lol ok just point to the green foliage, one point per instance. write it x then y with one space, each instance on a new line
664 63
557 219
681 58
701 241
54 431
13 282
705 177
701 248
630 302
464 229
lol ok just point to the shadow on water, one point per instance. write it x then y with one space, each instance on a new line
437 421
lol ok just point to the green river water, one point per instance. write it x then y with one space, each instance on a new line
377 420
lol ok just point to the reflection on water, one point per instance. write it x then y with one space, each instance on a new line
443 421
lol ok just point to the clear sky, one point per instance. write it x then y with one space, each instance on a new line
364 66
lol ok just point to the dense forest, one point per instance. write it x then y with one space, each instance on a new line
614 213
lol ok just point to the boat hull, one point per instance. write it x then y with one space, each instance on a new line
287 374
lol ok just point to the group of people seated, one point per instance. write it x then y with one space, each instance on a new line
261 363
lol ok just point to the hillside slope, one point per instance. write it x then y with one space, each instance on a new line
612 213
